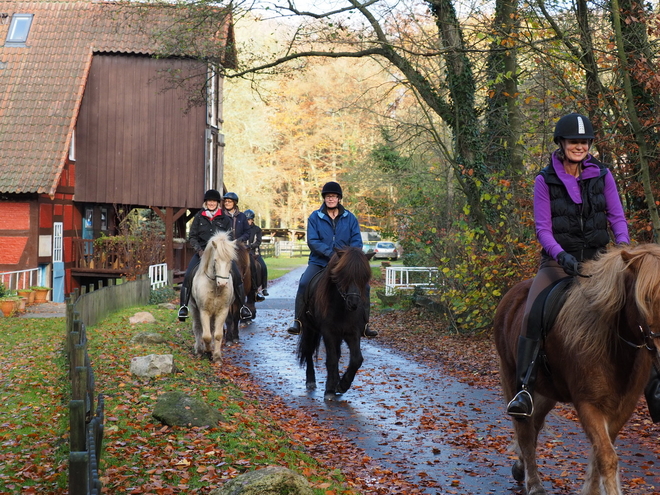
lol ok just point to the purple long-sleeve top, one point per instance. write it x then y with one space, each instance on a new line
543 216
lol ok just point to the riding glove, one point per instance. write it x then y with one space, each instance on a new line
569 264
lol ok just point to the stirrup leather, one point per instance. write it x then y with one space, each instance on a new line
516 414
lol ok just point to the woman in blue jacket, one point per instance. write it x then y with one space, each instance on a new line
330 227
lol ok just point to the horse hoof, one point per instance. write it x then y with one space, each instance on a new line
330 396
518 471
311 385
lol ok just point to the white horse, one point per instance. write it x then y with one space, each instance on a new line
212 295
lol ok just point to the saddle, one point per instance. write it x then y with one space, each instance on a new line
545 309
309 291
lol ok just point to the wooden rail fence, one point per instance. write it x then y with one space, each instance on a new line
86 413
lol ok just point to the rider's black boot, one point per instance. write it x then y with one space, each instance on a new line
522 406
183 309
368 332
652 394
296 326
265 292
239 292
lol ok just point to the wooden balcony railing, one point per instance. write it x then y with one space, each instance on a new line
99 256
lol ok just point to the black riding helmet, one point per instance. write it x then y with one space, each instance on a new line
573 126
249 214
212 195
231 195
332 188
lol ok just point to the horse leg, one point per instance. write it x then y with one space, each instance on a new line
527 432
603 467
332 355
354 363
310 372
197 332
218 335
205 320
232 325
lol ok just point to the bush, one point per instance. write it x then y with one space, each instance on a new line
162 295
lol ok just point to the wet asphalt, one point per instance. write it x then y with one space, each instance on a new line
414 419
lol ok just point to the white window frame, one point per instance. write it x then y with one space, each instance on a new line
58 235
17 21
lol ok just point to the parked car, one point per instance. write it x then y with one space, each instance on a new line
386 250
367 247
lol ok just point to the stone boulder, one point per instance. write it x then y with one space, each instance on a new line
142 317
152 365
178 409
266 481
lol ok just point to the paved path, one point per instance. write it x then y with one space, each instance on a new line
417 420
45 310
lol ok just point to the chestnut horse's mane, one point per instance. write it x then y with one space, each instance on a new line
590 315
347 266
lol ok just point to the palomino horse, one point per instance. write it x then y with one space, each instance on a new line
212 293
336 312
598 356
233 318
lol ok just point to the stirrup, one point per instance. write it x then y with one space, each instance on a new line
295 329
368 332
184 313
524 393
245 313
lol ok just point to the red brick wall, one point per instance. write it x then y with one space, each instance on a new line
14 216
14 231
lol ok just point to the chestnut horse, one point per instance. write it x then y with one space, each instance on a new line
212 294
597 356
336 313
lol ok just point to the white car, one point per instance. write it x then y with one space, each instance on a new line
385 250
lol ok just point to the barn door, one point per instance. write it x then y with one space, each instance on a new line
58 263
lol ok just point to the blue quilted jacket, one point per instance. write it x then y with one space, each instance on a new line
324 234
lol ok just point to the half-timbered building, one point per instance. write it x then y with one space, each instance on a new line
94 125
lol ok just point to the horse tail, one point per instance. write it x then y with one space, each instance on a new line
308 343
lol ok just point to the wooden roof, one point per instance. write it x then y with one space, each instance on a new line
42 83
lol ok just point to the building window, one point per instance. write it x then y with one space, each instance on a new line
57 241
19 30
104 219
72 147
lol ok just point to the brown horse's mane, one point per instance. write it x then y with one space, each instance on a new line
346 267
225 248
590 315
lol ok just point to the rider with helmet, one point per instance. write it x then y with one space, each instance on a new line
331 226
575 201
205 224
239 225
253 243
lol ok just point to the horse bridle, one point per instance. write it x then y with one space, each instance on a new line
647 336
216 277
344 295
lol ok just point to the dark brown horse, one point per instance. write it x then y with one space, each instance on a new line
336 313
599 355
233 318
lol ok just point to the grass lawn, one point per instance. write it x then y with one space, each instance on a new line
140 455
283 265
